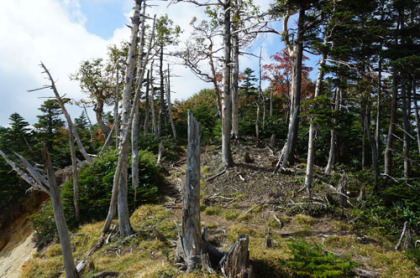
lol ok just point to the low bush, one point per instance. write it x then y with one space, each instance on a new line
309 260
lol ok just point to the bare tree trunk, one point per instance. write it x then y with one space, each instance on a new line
190 242
260 92
378 110
226 99
416 114
90 124
152 103
372 145
116 114
135 127
333 140
235 74
147 106
407 128
120 176
312 128
162 96
168 97
99 109
391 129
60 220
72 128
296 88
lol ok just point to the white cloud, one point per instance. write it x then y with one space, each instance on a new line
53 31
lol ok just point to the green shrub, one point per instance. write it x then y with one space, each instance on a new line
44 225
95 187
309 260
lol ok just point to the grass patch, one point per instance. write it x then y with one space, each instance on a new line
304 220
213 210
231 214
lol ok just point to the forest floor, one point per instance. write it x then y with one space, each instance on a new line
246 199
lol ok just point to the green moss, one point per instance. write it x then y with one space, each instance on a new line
231 214
216 210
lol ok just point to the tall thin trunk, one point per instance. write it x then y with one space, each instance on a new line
363 116
60 220
168 97
416 114
378 110
235 74
296 89
147 107
333 140
152 103
75 175
162 95
406 100
119 187
90 125
312 128
226 99
391 129
260 92
116 113
135 126
372 145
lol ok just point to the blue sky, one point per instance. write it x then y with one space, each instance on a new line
63 33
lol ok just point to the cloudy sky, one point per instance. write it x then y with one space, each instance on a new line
62 33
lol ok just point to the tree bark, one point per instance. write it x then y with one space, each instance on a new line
416 114
152 103
147 107
162 95
60 220
116 113
120 176
296 56
312 128
168 97
226 98
235 74
407 128
333 140
135 126
391 129
190 242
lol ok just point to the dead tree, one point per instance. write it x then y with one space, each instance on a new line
38 182
168 98
73 135
193 248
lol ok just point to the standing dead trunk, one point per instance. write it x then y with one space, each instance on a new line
260 92
168 97
342 190
378 110
116 114
190 242
135 126
416 114
296 56
119 188
152 103
333 140
235 73
407 127
226 98
312 128
162 96
60 220
90 125
391 129
99 110
147 106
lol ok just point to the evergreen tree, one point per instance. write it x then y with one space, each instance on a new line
49 122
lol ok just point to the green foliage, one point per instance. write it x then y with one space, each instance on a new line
309 260
12 189
44 225
95 186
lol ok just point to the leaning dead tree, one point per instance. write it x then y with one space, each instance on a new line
193 248
38 182
73 136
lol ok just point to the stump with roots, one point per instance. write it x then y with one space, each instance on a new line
193 249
